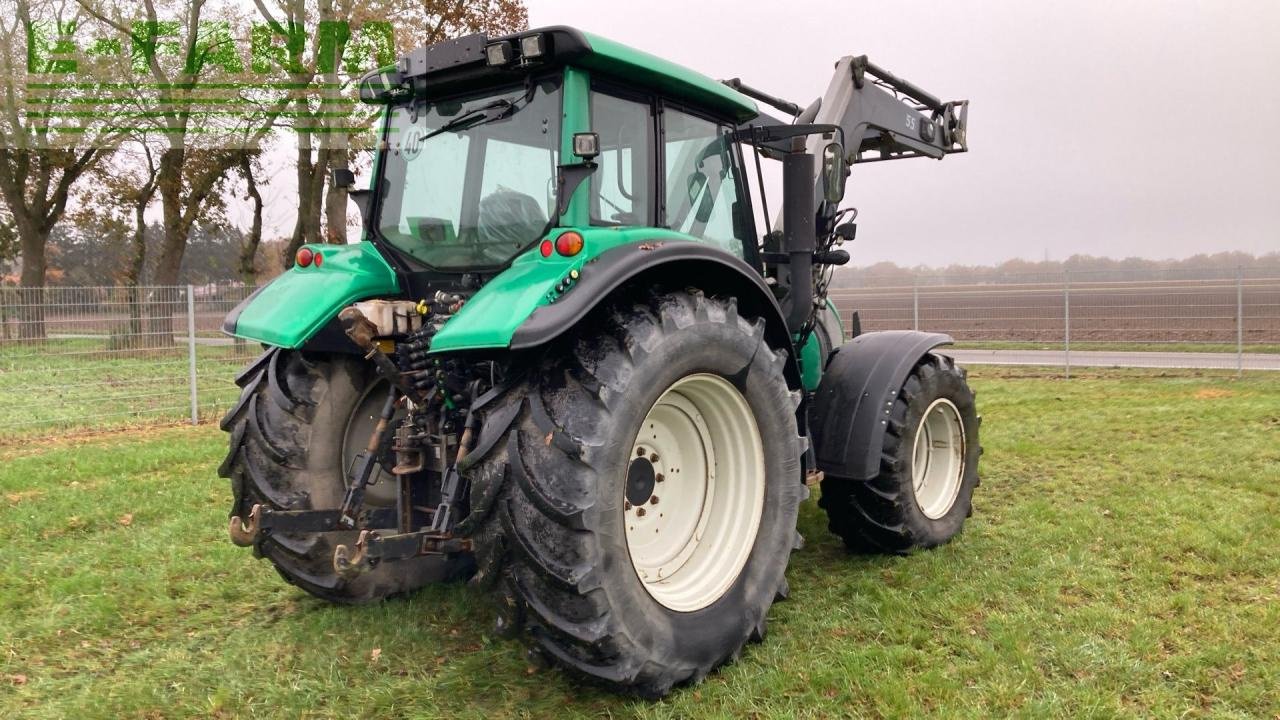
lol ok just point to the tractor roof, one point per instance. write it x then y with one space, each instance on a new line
462 61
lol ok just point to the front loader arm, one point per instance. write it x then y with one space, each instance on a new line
887 118
881 116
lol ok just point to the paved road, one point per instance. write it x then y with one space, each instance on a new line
1109 358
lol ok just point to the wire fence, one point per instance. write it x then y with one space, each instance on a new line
92 358
1227 319
97 357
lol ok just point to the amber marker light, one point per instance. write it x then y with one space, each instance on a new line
569 244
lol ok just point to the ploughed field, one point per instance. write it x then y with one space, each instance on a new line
1195 312
1120 562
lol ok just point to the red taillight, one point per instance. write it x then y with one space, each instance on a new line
569 244
304 257
545 248
319 259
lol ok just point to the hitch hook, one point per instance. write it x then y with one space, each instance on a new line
350 564
243 533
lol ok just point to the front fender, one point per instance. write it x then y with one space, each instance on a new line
858 388
290 310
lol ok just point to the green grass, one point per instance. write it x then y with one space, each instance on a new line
1117 346
1121 562
82 384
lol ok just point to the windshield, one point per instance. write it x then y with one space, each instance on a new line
467 183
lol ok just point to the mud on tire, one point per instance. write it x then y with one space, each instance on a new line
286 452
548 501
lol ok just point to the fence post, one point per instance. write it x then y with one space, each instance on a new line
191 354
915 302
1239 321
1066 316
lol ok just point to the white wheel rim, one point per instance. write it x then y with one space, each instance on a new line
691 538
937 459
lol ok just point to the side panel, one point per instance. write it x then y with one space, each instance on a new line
492 316
850 411
289 310
813 353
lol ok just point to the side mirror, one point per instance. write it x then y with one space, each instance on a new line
382 86
696 182
341 179
834 171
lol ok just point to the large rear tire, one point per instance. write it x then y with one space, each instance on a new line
928 468
670 419
296 428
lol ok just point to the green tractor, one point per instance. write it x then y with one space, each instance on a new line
575 361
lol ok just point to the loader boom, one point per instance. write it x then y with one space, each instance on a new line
880 116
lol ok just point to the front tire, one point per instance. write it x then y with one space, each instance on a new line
928 468
561 509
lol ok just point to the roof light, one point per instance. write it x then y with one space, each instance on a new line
531 46
569 244
304 257
499 53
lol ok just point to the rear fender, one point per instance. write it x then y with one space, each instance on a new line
292 309
858 388
531 304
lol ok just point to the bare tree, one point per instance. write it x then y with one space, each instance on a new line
193 164
249 244
41 157
326 121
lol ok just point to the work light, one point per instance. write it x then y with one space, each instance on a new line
499 53
586 145
531 46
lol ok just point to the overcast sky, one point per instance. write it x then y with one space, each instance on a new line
1104 127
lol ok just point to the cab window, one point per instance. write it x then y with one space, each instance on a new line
620 186
702 189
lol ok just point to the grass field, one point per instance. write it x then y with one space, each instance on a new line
78 384
1121 562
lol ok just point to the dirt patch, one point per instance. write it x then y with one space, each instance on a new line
37 445
14 498
1213 394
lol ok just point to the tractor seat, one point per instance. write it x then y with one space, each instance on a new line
509 218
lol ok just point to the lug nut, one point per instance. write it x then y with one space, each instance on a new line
660 478
626 504
639 512
653 458
639 452
653 500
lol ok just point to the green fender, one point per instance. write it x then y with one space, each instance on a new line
289 310
492 316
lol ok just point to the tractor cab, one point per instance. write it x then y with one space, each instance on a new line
483 139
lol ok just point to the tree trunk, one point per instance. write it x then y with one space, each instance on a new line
161 305
249 246
133 274
335 204
311 185
32 240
